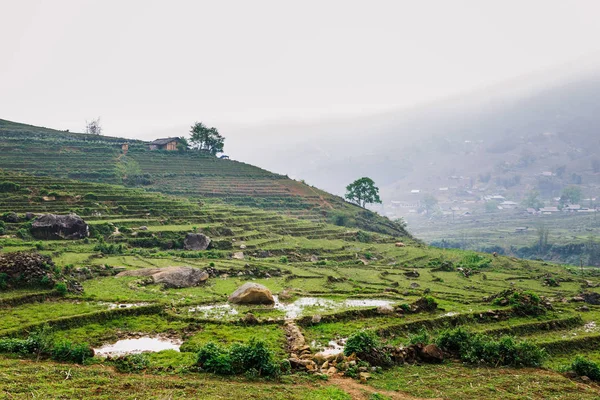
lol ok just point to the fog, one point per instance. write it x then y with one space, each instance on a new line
151 68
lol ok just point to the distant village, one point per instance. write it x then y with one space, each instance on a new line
465 200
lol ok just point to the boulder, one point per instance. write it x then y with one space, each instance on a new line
400 244
238 255
252 293
431 353
414 285
57 227
412 274
196 241
385 309
171 277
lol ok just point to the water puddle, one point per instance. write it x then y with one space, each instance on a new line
139 345
293 309
333 348
215 310
112 306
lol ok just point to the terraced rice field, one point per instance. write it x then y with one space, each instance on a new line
326 280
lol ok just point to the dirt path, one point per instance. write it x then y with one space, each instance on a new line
359 391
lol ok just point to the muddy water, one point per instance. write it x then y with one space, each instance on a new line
139 345
112 306
334 347
295 309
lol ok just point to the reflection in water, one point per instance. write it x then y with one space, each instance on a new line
293 309
139 345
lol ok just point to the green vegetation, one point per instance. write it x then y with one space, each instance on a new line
349 285
253 359
362 192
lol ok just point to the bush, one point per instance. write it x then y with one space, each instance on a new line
526 303
421 337
482 349
213 358
7 186
253 359
67 351
453 341
364 237
3 281
61 288
361 342
283 259
2 227
23 234
585 367
367 347
131 363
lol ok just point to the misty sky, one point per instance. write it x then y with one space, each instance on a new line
149 66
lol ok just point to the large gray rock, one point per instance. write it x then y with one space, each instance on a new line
171 277
196 241
252 293
56 227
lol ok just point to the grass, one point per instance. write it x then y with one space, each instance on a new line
272 241
455 381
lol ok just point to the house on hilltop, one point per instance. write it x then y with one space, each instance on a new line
168 144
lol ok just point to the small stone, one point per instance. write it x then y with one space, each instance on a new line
364 376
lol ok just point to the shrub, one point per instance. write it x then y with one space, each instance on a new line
367 347
131 363
2 227
421 337
7 186
453 340
361 342
67 351
526 303
585 367
213 358
61 288
283 259
254 355
3 281
364 237
482 349
23 234
253 359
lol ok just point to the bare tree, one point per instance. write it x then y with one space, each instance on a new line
93 127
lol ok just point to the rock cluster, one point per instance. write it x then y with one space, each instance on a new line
27 269
171 277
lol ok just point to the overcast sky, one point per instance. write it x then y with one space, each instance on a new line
147 66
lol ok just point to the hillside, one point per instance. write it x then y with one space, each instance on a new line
329 283
47 152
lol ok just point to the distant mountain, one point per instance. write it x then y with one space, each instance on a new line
503 133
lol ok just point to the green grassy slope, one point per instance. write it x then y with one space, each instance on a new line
301 258
47 152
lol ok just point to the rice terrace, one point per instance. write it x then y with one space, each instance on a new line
171 274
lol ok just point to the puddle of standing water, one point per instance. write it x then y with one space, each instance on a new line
293 309
334 347
112 306
139 345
